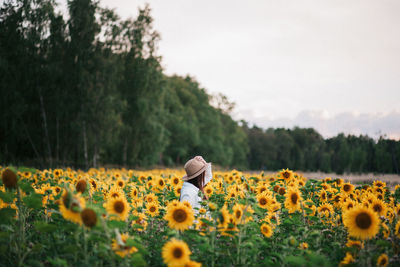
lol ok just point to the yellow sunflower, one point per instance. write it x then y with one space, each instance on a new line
179 217
151 198
175 253
118 206
263 200
140 224
153 209
383 260
355 244
177 190
114 192
286 175
348 205
293 200
323 197
175 181
223 217
70 206
134 192
208 190
347 188
266 230
120 248
326 208
379 207
192 264
237 212
120 183
347 259
397 229
160 183
361 222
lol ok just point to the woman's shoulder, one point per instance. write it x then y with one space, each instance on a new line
188 187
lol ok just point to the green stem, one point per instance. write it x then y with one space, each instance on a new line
238 247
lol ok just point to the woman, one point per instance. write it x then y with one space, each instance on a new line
198 174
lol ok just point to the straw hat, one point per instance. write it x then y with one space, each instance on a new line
194 167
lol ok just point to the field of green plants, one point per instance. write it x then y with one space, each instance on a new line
119 217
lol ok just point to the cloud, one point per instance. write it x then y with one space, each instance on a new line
371 124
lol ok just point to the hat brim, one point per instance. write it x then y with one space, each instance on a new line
187 178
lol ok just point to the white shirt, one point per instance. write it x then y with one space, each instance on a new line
190 192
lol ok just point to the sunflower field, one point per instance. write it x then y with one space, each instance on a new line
119 217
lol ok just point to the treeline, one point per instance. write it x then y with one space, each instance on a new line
305 149
88 89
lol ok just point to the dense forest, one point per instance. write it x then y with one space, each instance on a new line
87 89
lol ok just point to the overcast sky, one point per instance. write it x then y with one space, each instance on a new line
332 65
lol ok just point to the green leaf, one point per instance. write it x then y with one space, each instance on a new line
383 243
7 197
295 260
313 218
33 201
137 260
70 249
57 262
130 242
6 215
208 222
45 227
116 224
26 186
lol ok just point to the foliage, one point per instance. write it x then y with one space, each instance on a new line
42 221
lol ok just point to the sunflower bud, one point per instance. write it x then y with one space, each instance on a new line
9 179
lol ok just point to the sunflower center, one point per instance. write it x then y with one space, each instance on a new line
324 209
346 187
265 229
81 186
294 198
152 209
119 206
179 215
120 183
377 208
363 220
262 189
286 175
115 195
89 217
282 191
238 214
263 201
178 253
